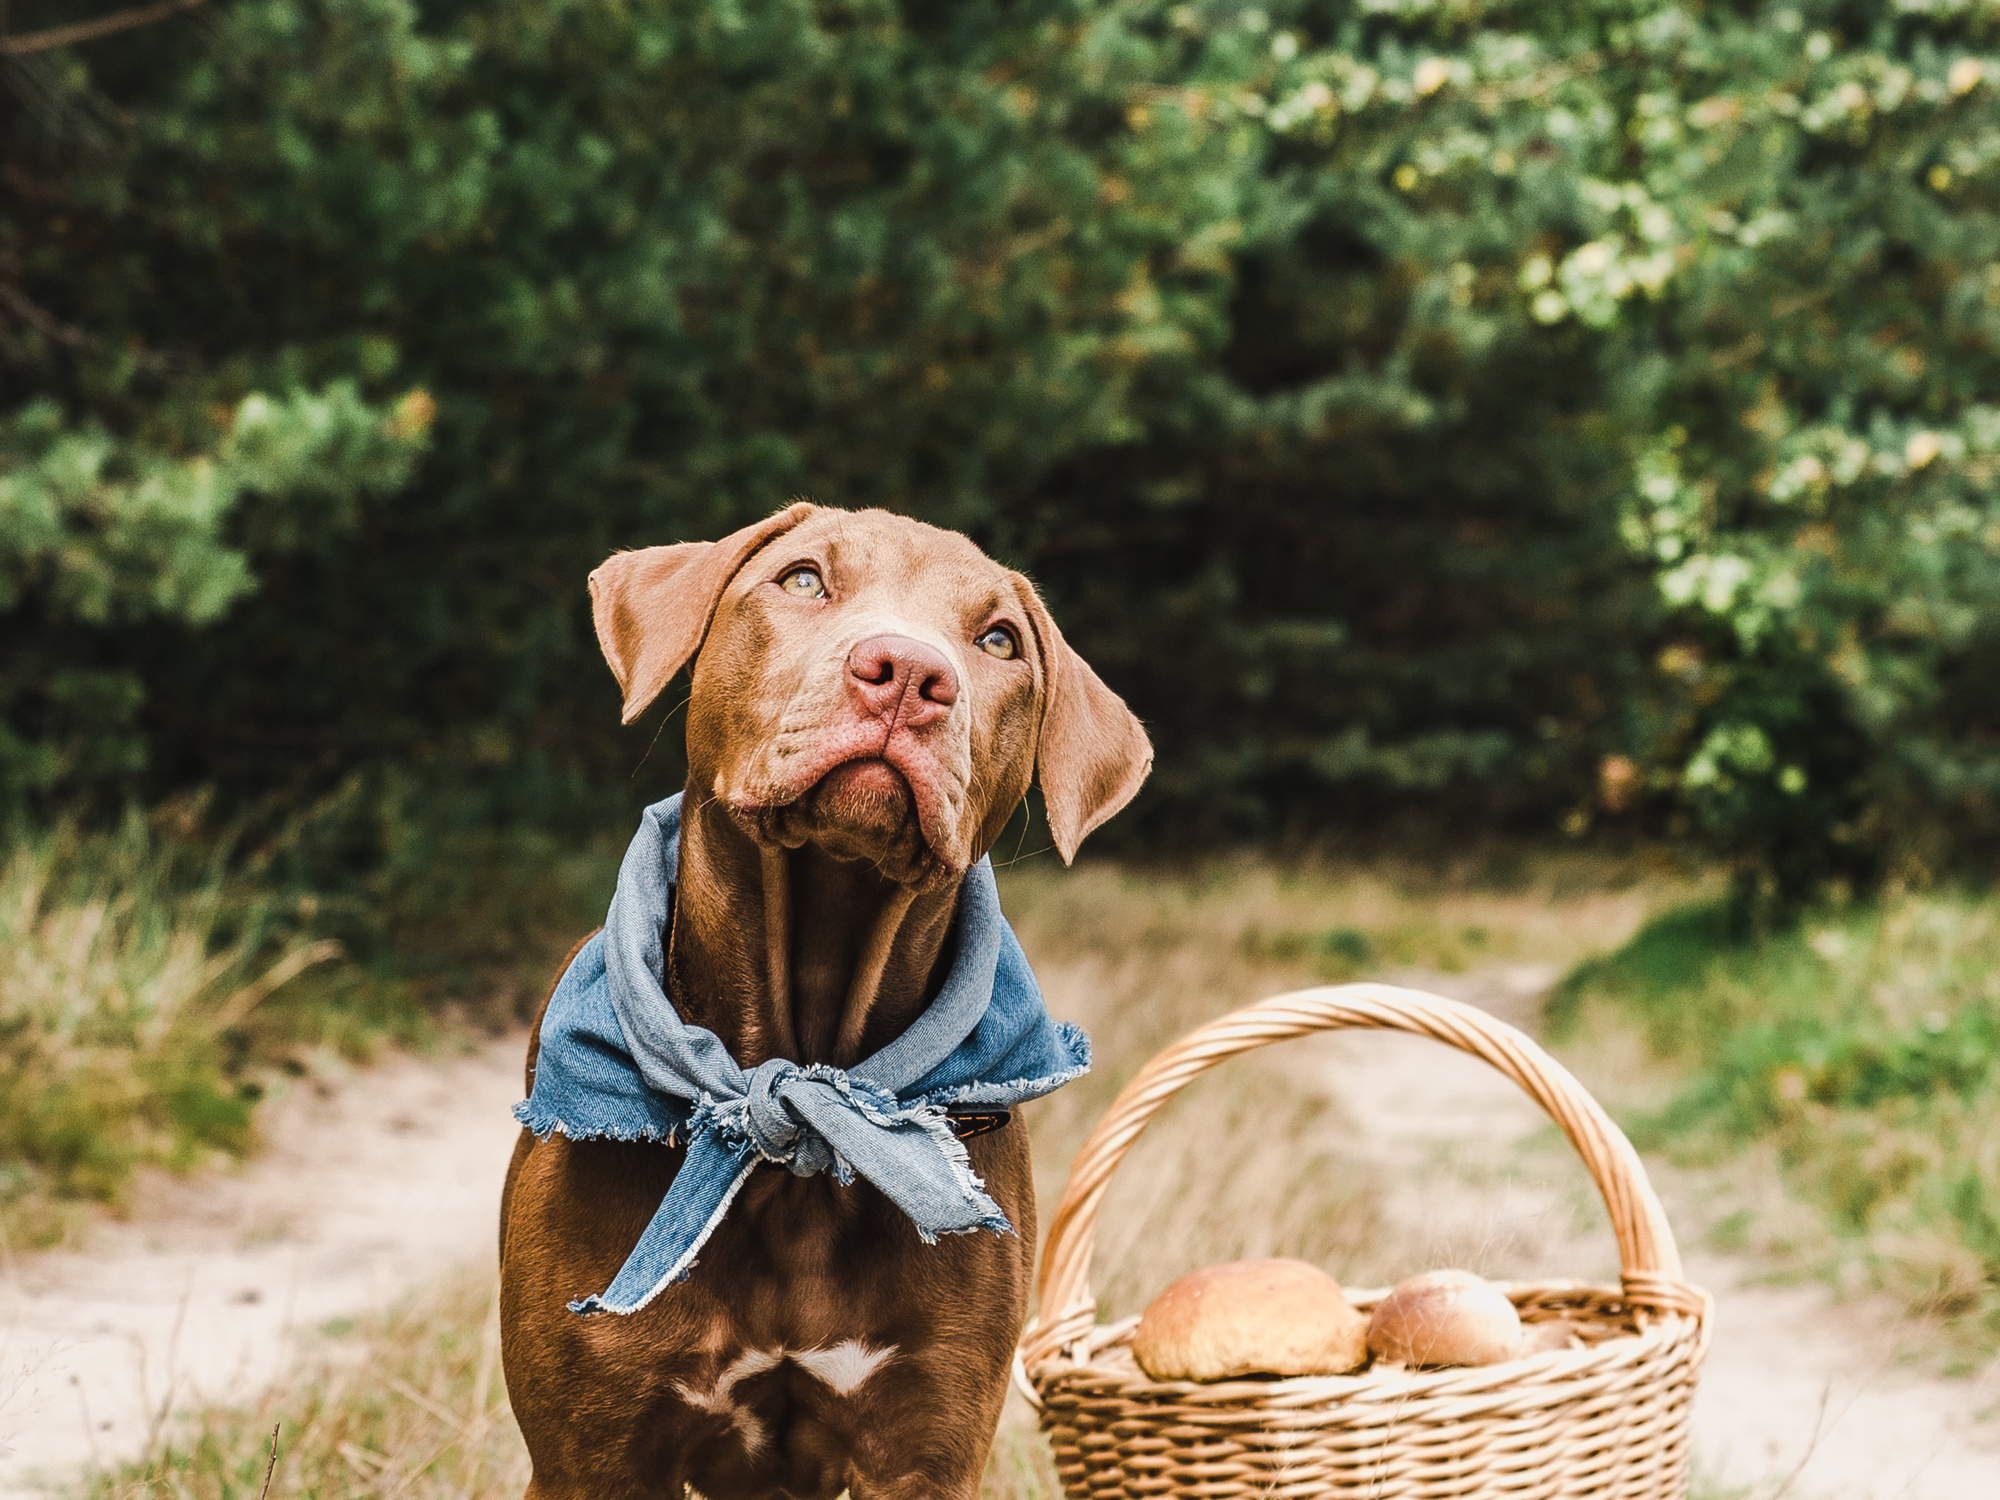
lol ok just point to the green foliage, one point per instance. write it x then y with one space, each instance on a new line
1521 413
154 984
1751 250
660 268
128 986
1863 1045
1364 564
98 533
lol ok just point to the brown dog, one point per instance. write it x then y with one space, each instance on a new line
872 697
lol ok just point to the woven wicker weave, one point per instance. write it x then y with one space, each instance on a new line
1607 1419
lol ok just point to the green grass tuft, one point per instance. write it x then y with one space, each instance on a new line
1862 1047
131 976
155 982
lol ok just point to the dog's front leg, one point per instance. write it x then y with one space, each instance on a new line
548 1488
918 1487
929 1432
926 1471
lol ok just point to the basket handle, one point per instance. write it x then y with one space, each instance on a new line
1650 1261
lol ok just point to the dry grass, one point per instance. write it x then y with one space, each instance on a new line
155 977
1252 1161
410 1405
127 963
1836 1085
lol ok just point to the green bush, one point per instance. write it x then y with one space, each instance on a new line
1728 278
154 982
130 982
1863 1046
1517 414
101 535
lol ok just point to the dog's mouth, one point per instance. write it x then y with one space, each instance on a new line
867 795
862 809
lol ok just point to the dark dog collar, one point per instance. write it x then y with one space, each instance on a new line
966 1123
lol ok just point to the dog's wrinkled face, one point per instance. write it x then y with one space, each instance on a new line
871 685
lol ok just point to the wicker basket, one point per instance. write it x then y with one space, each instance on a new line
1608 1419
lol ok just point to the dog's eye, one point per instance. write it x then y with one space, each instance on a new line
1000 642
805 582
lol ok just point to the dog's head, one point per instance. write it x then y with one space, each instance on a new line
869 684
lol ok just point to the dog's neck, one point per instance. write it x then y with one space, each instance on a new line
792 953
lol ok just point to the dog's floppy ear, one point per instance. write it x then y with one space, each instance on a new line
652 606
1093 752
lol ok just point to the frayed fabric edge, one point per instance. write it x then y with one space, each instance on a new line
1014 1091
543 1123
992 1216
590 1306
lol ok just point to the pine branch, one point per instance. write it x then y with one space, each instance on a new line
90 31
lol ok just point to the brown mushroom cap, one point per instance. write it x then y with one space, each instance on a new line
1445 1318
1541 1338
1251 1317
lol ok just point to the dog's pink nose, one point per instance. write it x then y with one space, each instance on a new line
901 680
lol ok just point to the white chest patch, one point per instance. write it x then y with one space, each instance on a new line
843 1369
720 1399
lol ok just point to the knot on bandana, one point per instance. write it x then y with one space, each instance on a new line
767 1120
617 1062
779 1135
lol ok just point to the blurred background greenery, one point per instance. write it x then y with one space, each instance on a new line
1505 415
1450 424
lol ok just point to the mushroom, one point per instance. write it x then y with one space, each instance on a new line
1251 1317
1545 1337
1445 1318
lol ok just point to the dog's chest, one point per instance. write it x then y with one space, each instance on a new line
737 1391
771 1419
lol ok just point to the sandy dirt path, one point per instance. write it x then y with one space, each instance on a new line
373 1182
1801 1395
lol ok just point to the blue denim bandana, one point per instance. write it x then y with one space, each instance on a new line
618 1063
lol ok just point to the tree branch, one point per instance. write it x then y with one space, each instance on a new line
90 31
24 307
45 322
